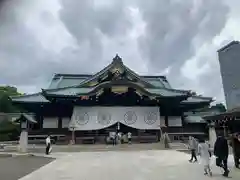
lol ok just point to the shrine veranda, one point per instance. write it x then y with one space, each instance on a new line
114 99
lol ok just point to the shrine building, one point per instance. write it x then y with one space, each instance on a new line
114 99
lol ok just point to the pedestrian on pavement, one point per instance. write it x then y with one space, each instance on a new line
48 144
129 136
119 135
221 152
193 146
205 155
114 138
236 148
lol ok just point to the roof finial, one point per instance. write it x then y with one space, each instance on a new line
117 59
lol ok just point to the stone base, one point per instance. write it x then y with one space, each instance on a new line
23 142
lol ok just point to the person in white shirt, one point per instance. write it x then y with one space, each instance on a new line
119 137
129 136
48 144
205 155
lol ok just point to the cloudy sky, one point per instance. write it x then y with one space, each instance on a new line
176 38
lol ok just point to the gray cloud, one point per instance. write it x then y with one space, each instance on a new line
172 27
174 32
96 31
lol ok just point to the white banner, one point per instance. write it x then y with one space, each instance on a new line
93 118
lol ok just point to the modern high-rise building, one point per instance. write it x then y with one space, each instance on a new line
229 60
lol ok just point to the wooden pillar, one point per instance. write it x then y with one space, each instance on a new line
166 122
59 122
40 116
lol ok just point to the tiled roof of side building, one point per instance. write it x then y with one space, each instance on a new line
197 115
31 98
197 99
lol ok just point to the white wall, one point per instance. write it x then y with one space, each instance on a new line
174 121
50 122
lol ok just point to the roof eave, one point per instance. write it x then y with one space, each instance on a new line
17 99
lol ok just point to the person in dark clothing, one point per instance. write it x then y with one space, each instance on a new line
236 148
48 144
221 152
193 146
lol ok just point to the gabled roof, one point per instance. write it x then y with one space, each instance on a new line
26 117
72 80
116 63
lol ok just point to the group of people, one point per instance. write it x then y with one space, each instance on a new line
119 138
220 151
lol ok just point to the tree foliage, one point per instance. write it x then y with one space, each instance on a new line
220 107
6 105
9 130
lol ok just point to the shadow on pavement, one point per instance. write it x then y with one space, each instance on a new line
13 168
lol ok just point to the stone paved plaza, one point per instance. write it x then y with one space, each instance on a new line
124 165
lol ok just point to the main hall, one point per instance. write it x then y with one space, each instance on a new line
88 107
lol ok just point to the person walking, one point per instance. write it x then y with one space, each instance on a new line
119 135
205 155
129 136
193 146
48 144
236 149
221 152
114 137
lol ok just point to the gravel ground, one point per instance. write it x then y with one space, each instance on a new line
13 168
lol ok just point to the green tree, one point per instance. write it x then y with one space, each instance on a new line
6 105
9 130
220 107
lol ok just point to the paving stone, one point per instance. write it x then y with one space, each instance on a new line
124 165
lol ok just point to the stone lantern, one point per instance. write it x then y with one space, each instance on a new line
25 120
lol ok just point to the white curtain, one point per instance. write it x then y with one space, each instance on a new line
174 121
93 118
50 122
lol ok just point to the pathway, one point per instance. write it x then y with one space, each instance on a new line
123 165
